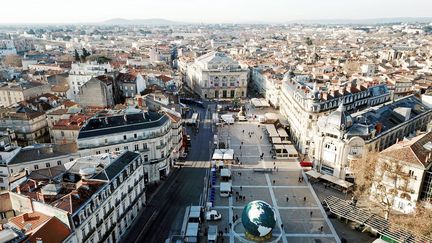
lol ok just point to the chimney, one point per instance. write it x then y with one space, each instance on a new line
26 217
324 95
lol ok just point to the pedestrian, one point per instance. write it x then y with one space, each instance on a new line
236 216
244 197
281 226
321 228
230 224
236 198
311 213
250 136
274 181
243 131
240 173
274 163
287 198
241 188
226 230
304 199
274 167
233 219
261 137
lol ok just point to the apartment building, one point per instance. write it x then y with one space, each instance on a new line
148 133
80 73
303 101
14 92
30 126
404 173
340 138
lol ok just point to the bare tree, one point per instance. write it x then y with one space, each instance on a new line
390 181
419 222
363 171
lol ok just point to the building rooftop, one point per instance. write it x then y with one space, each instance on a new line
42 151
104 125
387 116
416 151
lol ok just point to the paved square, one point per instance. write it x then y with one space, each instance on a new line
299 219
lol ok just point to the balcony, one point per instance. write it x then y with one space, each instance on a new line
89 234
108 233
161 146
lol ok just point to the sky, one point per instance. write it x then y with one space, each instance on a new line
207 11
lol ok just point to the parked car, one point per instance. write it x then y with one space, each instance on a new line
213 215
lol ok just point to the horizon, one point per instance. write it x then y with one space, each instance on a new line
209 12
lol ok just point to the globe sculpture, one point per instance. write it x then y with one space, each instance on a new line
258 219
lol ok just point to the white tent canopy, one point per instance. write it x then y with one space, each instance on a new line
223 154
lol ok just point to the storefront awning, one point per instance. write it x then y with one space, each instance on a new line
337 181
314 174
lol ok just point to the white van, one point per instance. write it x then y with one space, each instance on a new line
225 189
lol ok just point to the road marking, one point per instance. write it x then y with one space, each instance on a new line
330 225
273 198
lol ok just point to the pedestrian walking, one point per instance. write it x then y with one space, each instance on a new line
281 226
274 181
230 225
236 198
311 213
261 137
304 199
241 188
233 219
287 198
274 167
226 230
244 197
321 228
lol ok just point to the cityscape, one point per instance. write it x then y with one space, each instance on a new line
199 122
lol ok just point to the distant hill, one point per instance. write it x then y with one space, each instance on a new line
153 22
365 21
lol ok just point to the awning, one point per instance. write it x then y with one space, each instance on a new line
223 154
313 174
337 181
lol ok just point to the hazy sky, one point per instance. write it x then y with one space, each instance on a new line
208 11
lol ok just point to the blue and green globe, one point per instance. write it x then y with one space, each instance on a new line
258 218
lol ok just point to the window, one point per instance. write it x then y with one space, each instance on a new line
36 167
124 137
162 154
47 165
411 173
144 146
106 140
126 147
146 158
135 136
59 162
97 152
106 150
117 149
136 147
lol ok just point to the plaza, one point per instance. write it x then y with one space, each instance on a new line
300 217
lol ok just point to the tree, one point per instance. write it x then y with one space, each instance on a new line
364 177
77 56
419 222
390 181
308 41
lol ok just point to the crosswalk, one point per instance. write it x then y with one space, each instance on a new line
197 164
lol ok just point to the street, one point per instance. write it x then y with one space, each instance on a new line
163 215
